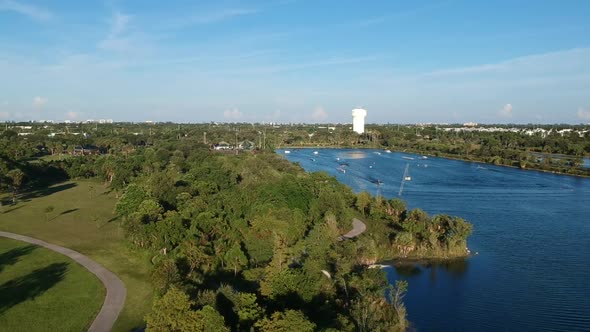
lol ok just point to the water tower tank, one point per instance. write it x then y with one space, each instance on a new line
358 120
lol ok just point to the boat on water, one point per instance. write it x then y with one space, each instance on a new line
315 152
408 158
341 169
287 151
312 159
377 152
387 151
405 177
424 157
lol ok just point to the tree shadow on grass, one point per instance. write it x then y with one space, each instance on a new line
68 211
30 286
46 191
11 257
14 208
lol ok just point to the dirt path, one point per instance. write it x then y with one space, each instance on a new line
116 292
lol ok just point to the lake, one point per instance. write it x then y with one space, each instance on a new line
531 233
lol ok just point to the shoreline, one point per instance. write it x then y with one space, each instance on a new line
443 157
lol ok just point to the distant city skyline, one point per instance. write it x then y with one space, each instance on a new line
295 61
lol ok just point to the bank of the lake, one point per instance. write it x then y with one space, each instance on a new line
530 233
470 158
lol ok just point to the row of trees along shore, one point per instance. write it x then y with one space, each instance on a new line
243 242
559 148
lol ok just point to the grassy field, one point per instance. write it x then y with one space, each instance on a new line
83 220
41 290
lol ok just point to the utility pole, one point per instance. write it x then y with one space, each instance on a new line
236 141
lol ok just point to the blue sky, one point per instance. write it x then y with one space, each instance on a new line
296 61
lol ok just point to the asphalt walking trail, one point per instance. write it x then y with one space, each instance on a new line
116 292
358 227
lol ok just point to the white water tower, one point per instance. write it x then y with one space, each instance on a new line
358 120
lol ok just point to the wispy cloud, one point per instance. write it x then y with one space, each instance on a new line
34 12
39 102
583 114
313 64
233 114
401 14
221 15
319 114
506 111
72 115
115 40
565 58
206 17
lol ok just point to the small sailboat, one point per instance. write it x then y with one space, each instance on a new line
407 176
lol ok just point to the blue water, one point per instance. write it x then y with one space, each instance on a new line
586 163
531 232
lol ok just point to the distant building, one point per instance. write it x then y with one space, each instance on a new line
470 124
246 145
82 150
358 120
223 146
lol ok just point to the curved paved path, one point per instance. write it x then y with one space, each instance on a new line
116 292
358 227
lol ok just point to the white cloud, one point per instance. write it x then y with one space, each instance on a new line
72 115
36 13
506 111
319 114
583 114
233 114
39 102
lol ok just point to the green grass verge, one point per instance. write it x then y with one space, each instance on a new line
41 290
83 220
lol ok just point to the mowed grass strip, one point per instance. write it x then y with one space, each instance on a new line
41 290
83 219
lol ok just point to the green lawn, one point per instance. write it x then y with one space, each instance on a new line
55 157
41 290
83 220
